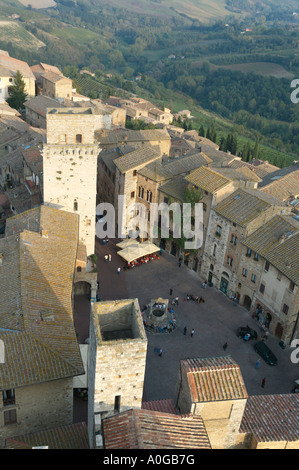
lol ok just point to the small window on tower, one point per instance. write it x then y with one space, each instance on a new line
78 138
75 206
117 403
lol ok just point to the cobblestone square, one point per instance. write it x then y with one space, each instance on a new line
215 322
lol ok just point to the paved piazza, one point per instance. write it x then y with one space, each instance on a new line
215 322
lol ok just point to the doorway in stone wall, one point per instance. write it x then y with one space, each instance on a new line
224 285
279 330
247 302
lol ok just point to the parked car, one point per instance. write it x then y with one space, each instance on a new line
296 388
246 330
262 349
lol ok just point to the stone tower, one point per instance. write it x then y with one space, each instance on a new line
116 364
70 166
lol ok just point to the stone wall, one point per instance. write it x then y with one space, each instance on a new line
222 421
117 358
70 168
39 407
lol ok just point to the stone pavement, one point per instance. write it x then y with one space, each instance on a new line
215 322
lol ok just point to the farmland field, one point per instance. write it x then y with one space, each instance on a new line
38 4
78 35
261 68
14 32
200 9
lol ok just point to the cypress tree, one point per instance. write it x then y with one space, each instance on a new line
17 95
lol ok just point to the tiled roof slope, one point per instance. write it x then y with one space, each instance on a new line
162 172
244 205
117 136
284 188
145 429
165 406
36 318
214 379
175 188
140 156
15 64
73 436
278 241
41 103
279 173
272 418
207 179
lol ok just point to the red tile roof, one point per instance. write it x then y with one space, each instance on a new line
214 379
73 436
272 418
165 406
145 429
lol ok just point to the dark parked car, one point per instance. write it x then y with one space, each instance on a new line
262 349
245 330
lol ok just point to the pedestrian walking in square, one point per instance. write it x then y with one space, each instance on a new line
118 270
109 256
257 365
170 292
160 352
185 330
192 332
225 346
263 382
106 258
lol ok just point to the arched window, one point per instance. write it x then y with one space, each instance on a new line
78 138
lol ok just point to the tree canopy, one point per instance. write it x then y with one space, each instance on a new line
17 94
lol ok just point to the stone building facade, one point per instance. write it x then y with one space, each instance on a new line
56 85
231 220
117 357
34 408
275 295
213 388
70 167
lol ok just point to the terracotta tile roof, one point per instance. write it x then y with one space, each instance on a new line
145 429
244 205
162 172
165 406
214 379
241 173
285 187
41 103
33 157
128 135
137 158
176 188
272 418
42 68
54 77
277 241
15 64
208 179
36 317
72 436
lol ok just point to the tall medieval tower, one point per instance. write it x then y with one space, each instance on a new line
70 167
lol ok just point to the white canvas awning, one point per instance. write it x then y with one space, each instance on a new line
132 253
127 242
